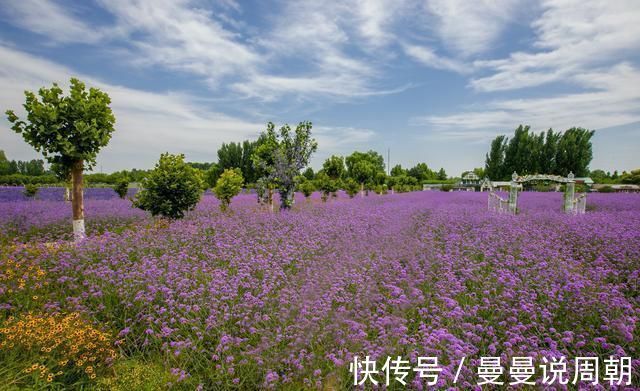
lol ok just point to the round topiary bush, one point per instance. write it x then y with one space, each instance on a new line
172 188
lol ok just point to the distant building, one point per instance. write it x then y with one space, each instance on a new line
469 181
618 188
431 186
584 181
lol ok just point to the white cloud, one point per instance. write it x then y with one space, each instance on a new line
585 47
48 18
148 123
429 58
471 27
612 99
572 36
179 36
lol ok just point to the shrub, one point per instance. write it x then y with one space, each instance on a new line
446 187
352 187
228 186
326 185
172 188
606 189
30 190
307 188
121 188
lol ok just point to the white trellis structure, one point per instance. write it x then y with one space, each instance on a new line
572 204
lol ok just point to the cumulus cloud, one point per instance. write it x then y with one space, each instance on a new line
611 99
571 36
148 123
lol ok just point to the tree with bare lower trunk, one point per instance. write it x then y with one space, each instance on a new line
69 131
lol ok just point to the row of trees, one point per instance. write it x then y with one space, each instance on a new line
544 153
600 176
70 131
33 167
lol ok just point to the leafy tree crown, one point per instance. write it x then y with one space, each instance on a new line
171 188
66 129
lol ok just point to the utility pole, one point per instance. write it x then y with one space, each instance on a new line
388 161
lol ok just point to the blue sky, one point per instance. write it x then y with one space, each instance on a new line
432 80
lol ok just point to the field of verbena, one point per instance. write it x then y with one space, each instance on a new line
252 299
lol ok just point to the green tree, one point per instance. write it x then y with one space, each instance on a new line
574 152
69 131
309 174
228 186
281 155
600 176
547 158
211 175
494 163
4 164
363 167
306 186
171 188
121 188
334 167
30 190
238 155
518 155
442 174
397 170
351 187
326 185
479 171
421 172
632 177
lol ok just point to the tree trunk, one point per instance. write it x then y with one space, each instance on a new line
362 190
67 194
77 201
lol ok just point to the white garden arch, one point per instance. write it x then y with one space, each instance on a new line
572 204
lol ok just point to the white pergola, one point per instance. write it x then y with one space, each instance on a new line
572 204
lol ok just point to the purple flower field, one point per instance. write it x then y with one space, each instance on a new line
253 299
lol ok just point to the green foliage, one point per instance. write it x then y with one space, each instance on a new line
201 166
363 167
281 155
31 190
421 172
211 175
631 178
494 164
19 180
397 170
351 187
544 153
574 152
133 374
228 186
606 189
442 175
34 167
237 155
307 187
402 183
446 187
121 188
171 188
326 185
308 174
66 129
380 189
334 167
